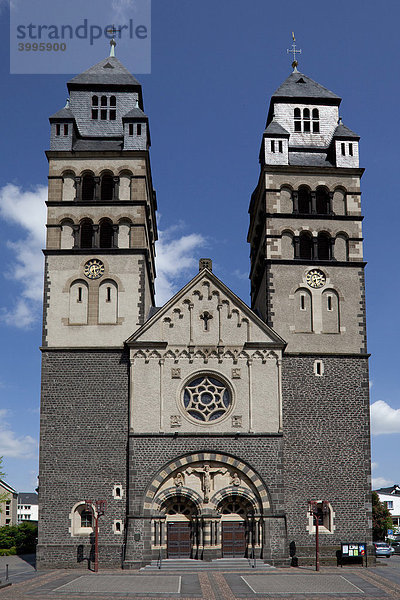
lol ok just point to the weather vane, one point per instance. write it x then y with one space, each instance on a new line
294 51
113 43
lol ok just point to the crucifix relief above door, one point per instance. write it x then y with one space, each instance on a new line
206 474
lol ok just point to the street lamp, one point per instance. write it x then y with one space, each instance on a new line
316 509
98 509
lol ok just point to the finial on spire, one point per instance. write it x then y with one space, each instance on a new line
113 43
294 51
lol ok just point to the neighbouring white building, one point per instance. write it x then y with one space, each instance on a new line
28 508
8 508
391 497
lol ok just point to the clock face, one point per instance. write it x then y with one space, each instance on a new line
316 278
94 269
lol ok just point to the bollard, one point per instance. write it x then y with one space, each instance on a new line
6 572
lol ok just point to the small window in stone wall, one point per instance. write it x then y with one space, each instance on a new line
318 368
351 149
118 526
81 520
117 491
139 129
272 146
130 128
325 516
58 129
280 145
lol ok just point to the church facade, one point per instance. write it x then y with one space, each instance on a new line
204 427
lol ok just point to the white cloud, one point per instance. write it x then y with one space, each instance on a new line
12 446
25 209
174 261
384 418
123 10
379 482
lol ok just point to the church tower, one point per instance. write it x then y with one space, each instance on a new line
99 288
307 283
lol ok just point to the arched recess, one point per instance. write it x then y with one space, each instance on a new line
107 186
86 234
106 237
228 465
304 200
108 302
125 185
330 311
286 202
322 200
303 318
67 234
88 187
124 233
78 302
306 245
287 247
324 245
342 247
68 186
339 202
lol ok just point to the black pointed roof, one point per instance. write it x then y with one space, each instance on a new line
275 129
108 72
298 85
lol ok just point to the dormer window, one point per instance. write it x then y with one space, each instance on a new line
315 120
107 108
272 146
306 121
64 129
139 129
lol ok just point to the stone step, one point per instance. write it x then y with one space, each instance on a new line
220 564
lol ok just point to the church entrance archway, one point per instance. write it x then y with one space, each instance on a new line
180 517
238 525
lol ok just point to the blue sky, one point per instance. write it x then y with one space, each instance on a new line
214 67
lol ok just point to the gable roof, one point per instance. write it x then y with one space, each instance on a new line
135 113
393 490
64 113
344 132
7 487
109 71
275 129
298 85
202 275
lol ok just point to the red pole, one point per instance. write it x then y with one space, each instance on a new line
96 544
316 543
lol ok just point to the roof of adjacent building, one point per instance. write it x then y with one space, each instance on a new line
298 85
394 490
109 71
28 498
7 487
342 131
274 128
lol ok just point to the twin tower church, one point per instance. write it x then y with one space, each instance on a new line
205 426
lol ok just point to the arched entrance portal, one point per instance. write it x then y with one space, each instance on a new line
180 516
238 522
207 506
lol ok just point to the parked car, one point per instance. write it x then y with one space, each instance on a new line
396 547
383 549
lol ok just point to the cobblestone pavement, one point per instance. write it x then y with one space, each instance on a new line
282 584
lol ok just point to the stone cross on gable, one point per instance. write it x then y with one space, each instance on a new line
207 474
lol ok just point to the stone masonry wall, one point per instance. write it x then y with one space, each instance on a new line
327 446
83 449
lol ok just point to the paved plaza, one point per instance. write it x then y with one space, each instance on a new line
380 582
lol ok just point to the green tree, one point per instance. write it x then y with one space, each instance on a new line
381 519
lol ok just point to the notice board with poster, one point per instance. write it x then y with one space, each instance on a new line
354 550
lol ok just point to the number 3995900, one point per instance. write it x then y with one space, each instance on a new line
42 47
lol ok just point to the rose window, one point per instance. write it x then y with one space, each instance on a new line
206 398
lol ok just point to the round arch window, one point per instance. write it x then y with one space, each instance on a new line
207 398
